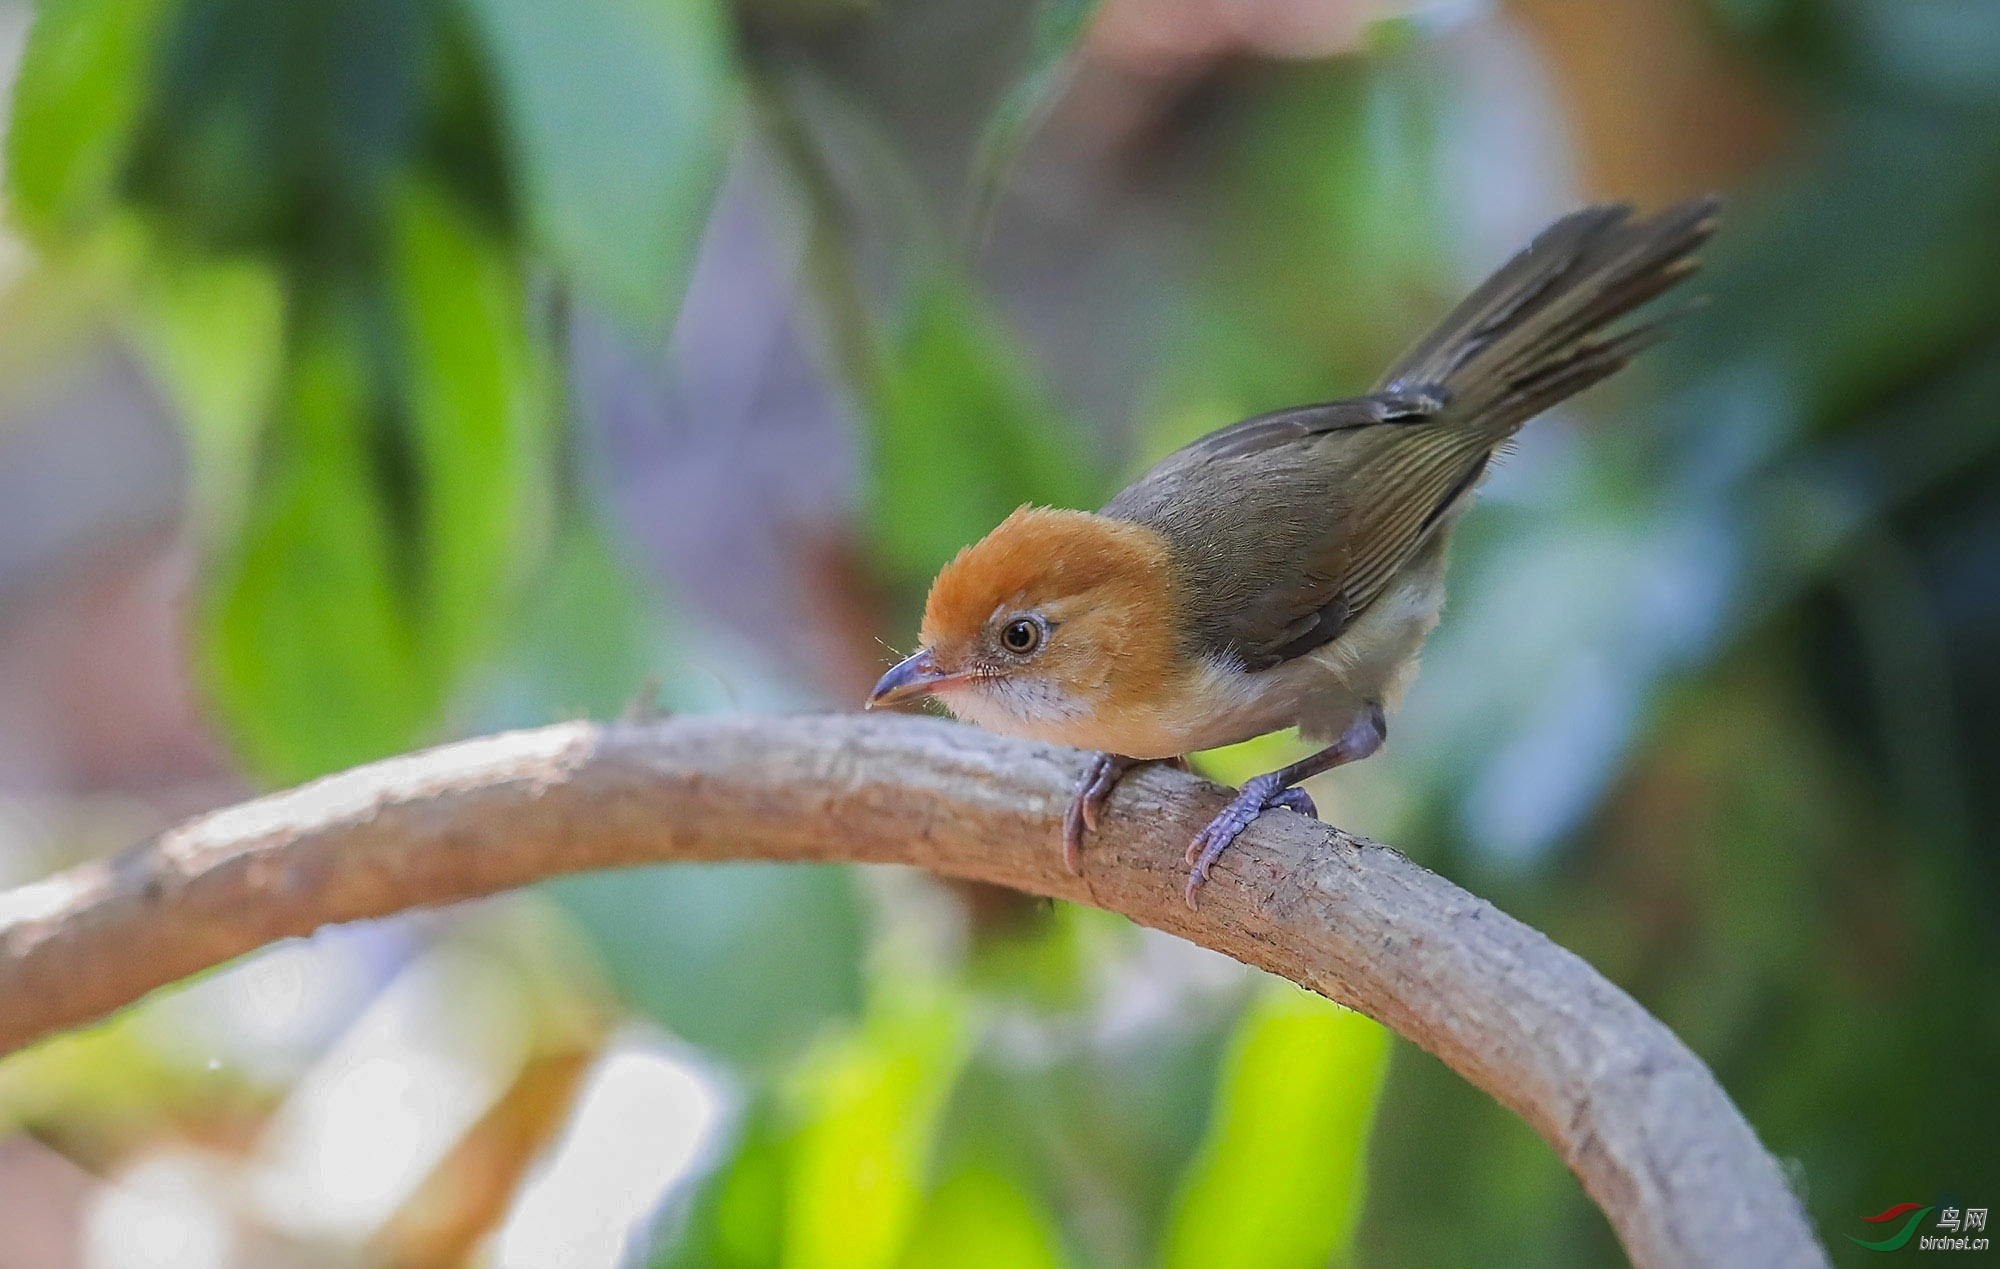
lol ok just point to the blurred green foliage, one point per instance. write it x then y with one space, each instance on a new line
616 111
83 82
981 1219
1280 1181
961 438
868 1107
1715 704
343 614
750 960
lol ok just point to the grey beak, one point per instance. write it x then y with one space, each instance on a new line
914 676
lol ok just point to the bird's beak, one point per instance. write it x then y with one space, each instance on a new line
914 676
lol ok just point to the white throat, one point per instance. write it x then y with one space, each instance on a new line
1011 706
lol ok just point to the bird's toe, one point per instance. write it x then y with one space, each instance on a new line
1254 799
1296 800
1092 791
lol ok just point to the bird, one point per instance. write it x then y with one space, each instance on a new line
1285 570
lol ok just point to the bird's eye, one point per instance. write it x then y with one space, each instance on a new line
1021 636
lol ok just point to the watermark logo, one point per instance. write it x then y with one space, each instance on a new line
1902 1222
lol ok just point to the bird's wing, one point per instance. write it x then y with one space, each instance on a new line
1280 427
1285 527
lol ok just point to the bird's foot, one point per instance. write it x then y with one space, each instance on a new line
1257 796
1099 778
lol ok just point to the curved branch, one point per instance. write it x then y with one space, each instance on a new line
1636 1115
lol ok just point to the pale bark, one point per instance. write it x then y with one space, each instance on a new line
1637 1116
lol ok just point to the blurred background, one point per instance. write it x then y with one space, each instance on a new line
374 372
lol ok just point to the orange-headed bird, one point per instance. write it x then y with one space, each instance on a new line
1285 570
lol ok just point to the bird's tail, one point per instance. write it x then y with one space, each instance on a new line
1534 333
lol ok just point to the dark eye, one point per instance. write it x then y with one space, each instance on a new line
1021 636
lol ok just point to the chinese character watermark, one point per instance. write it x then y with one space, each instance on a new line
1899 1224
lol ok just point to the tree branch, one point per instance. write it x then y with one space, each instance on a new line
1634 1114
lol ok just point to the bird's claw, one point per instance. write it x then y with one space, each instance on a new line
1099 778
1256 797
1073 834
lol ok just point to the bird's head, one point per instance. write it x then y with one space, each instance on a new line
1049 621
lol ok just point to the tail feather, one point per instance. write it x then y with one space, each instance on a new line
1533 333
1554 381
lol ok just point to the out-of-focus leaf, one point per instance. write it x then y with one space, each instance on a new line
962 437
1940 53
479 402
752 960
1059 24
586 640
84 78
1041 956
396 501
213 335
981 1219
869 1105
284 127
1279 1182
737 1220
749 1208
312 653
1101 1131
618 112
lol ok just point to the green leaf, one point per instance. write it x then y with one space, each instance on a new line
1039 956
587 632
1279 1182
617 110
212 333
752 960
736 1220
311 652
284 128
85 76
479 399
982 1219
869 1106
962 437
398 500
1059 25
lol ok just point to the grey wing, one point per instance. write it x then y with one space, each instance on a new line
1265 432
1276 547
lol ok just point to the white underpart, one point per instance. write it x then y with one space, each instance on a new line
1374 660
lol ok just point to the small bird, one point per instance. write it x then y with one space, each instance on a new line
1285 570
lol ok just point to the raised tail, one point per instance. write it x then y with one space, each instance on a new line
1534 333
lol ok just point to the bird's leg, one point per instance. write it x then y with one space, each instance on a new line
1260 793
1099 778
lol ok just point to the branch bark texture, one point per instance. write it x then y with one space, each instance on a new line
1631 1110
